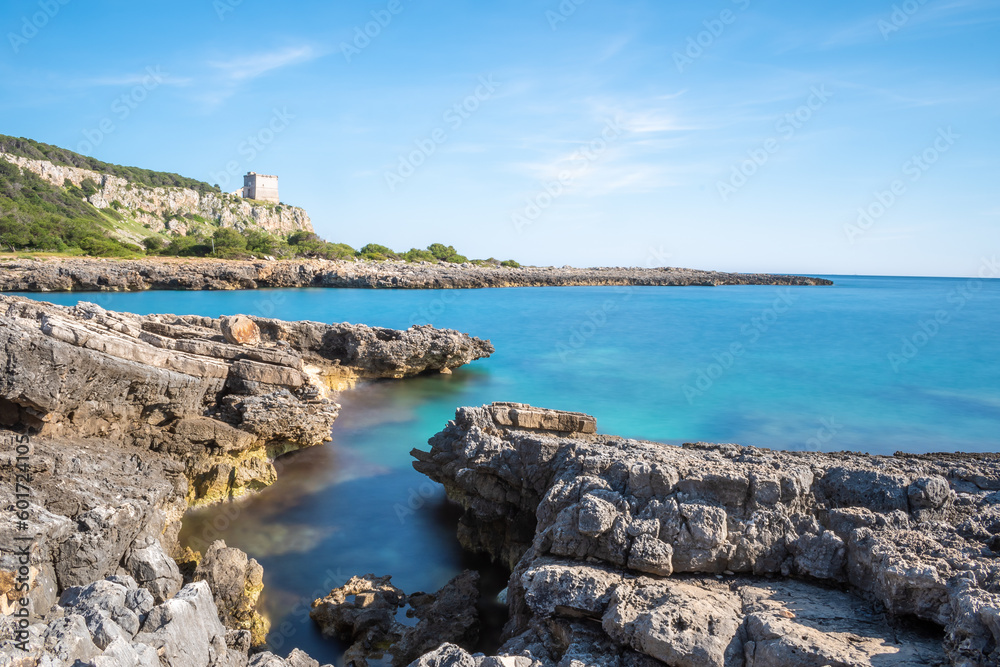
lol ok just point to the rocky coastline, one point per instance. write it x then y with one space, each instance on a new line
113 424
98 275
628 553
623 553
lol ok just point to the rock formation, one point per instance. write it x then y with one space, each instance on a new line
175 385
114 623
159 209
634 553
129 420
92 275
363 612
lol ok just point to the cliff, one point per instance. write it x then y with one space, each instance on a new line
143 210
186 386
112 425
203 274
628 553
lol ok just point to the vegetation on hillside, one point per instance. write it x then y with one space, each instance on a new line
230 244
38 151
36 216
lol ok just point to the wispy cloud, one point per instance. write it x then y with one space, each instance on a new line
946 14
249 67
139 78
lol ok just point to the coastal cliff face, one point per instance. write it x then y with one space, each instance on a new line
124 422
635 553
90 275
176 384
156 207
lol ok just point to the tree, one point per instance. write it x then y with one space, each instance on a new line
377 252
415 255
154 243
441 251
228 242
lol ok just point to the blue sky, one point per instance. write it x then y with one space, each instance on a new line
740 135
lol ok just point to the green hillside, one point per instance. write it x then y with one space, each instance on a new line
37 216
38 151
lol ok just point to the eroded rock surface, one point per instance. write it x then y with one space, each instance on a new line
363 612
625 551
129 420
176 385
110 623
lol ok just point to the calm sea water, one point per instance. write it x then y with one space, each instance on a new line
872 364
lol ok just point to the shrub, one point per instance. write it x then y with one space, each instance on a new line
228 242
511 264
415 255
188 246
377 252
89 187
154 243
441 251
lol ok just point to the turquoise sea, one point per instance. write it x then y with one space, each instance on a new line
872 364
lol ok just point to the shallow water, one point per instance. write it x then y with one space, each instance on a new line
872 364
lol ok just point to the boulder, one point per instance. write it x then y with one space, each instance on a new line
240 330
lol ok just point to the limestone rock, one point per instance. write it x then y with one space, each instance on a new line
186 631
176 385
240 330
154 570
363 612
236 582
688 555
181 273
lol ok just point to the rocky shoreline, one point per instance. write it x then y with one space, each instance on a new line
623 553
112 425
628 553
97 275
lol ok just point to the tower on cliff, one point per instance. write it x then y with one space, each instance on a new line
260 187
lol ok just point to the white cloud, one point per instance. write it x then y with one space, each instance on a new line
250 67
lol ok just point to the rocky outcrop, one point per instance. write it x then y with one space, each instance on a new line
236 582
363 613
177 386
163 209
131 419
93 275
114 623
635 553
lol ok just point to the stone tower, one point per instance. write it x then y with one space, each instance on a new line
260 187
